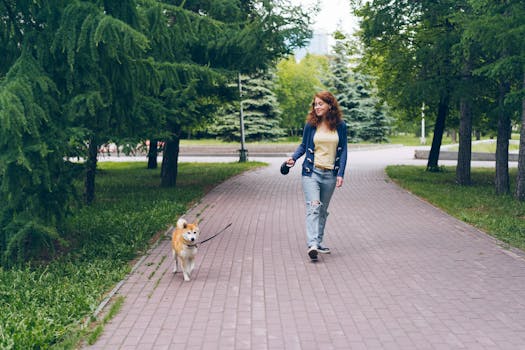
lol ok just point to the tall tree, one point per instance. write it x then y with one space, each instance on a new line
342 83
339 81
362 110
520 180
410 44
98 86
498 28
464 51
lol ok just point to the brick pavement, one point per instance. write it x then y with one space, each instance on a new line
402 274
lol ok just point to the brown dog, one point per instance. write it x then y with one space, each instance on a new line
184 246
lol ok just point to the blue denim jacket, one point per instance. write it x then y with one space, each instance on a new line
307 146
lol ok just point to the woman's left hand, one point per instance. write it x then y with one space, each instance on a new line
339 181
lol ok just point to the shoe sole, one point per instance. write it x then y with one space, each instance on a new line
313 254
324 251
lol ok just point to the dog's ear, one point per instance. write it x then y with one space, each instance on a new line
196 221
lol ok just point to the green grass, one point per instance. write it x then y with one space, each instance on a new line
99 328
44 306
487 147
412 140
500 216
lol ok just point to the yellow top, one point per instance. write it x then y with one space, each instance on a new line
325 142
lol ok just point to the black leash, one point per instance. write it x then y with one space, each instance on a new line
215 235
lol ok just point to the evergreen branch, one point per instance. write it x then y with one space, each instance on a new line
192 15
11 15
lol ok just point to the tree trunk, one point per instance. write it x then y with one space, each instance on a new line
465 128
170 158
91 168
478 135
520 181
502 181
439 128
453 136
465 142
152 154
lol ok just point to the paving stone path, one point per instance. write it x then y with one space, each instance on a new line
402 274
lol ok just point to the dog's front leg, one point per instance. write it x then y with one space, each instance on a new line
186 270
191 265
186 276
175 257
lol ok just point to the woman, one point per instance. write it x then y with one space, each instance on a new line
325 145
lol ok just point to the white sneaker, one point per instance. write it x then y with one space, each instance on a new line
312 252
324 250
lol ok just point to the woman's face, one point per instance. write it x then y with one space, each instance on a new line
320 107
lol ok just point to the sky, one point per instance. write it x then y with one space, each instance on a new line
333 14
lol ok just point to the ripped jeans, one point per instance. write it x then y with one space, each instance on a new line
318 190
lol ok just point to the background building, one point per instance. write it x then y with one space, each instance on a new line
319 45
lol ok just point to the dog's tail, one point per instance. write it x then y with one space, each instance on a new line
169 231
181 223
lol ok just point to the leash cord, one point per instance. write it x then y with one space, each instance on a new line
215 235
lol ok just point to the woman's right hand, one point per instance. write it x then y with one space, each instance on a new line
290 162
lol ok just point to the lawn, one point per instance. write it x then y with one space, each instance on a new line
412 140
408 139
487 147
45 306
500 216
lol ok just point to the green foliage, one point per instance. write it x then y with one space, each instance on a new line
297 82
477 205
35 182
498 27
86 30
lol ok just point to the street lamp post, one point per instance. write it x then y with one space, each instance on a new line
243 153
423 139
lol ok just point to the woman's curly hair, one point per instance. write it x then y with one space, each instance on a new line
334 115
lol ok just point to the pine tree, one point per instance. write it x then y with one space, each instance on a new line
260 110
35 183
363 113
369 112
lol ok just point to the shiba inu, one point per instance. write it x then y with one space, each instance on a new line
184 246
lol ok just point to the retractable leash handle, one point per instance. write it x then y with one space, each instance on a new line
285 168
215 235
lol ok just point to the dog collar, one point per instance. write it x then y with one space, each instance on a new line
191 245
